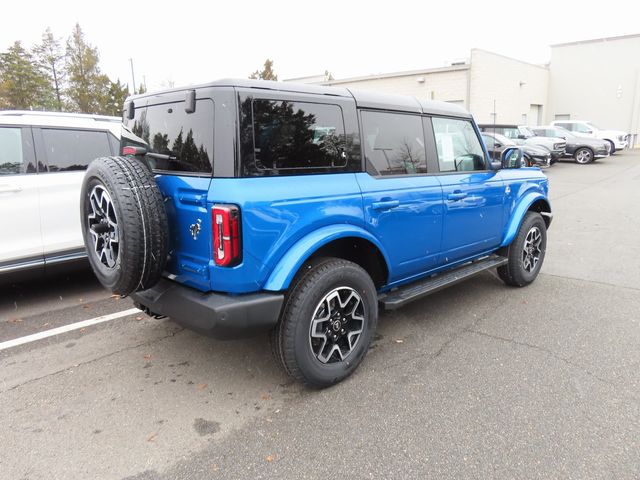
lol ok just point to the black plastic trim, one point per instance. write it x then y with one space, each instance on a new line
217 315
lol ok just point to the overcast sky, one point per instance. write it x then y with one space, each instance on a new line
192 42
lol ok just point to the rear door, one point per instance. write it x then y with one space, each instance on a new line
473 194
402 201
180 147
63 155
20 237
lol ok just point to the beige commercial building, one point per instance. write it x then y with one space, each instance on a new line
596 80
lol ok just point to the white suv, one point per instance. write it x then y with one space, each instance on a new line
618 139
42 161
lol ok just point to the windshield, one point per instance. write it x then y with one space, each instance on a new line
526 131
503 140
592 125
563 132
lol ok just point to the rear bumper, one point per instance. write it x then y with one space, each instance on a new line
213 314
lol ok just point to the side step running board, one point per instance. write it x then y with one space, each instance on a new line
408 293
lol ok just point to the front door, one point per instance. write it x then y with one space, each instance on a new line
402 203
473 194
20 237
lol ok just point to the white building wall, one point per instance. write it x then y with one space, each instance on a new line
448 85
597 80
514 85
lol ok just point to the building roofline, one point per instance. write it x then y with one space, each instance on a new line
544 66
451 68
593 40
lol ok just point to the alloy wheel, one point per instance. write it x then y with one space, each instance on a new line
103 226
337 325
531 251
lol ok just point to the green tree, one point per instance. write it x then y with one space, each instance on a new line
141 89
88 87
50 58
22 85
118 93
266 73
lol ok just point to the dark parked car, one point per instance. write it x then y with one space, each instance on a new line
582 149
522 135
532 155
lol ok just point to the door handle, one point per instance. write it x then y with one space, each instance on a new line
9 189
457 195
385 204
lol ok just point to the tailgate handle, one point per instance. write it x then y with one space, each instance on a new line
199 199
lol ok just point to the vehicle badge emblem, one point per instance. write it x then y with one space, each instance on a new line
194 228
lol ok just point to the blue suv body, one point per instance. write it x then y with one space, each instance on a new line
265 184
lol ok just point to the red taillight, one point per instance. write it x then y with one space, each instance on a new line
129 150
226 234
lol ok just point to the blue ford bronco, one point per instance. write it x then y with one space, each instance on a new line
242 206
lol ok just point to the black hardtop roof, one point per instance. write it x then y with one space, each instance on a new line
364 99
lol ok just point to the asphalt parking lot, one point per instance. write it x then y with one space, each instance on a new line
477 381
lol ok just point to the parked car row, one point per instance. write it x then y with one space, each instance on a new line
579 140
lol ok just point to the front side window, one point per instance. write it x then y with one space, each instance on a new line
11 155
393 143
292 138
458 146
176 141
68 150
580 128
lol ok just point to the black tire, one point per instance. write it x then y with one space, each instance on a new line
515 272
134 203
613 147
292 342
583 155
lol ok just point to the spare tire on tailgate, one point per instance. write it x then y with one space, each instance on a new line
124 224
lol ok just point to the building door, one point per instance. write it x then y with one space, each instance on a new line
535 115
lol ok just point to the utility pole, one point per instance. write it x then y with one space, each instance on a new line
133 77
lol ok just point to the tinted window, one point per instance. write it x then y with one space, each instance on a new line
292 137
114 143
68 150
393 143
182 141
566 125
11 156
458 146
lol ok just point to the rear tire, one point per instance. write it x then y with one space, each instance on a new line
330 298
526 252
124 224
583 156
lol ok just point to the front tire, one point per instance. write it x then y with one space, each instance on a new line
526 252
328 321
613 147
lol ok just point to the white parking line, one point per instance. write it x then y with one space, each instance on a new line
66 328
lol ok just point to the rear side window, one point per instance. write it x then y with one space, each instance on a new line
11 156
292 138
393 143
176 140
68 150
459 149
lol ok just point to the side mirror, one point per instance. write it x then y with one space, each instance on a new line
511 158
496 165
497 145
522 137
